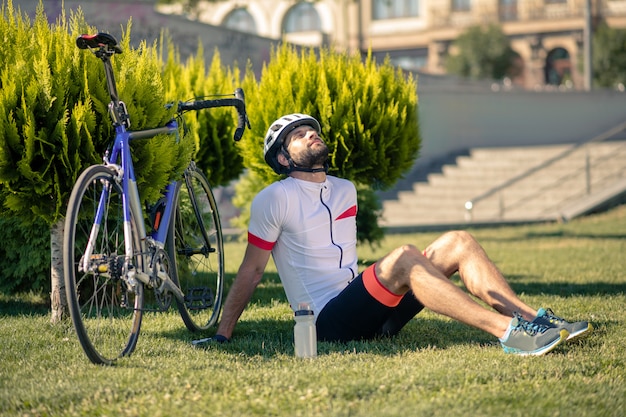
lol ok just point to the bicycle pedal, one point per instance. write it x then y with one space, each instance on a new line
199 298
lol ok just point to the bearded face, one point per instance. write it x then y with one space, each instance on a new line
306 147
311 157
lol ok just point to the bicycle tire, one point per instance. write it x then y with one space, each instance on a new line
106 314
196 249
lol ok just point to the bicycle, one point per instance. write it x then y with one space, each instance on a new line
109 258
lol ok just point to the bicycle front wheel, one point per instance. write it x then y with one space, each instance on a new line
196 250
105 309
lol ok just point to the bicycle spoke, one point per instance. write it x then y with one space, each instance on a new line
106 313
196 248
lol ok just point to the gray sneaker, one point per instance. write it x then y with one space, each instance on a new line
575 329
529 338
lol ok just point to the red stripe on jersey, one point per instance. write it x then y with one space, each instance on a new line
260 243
351 212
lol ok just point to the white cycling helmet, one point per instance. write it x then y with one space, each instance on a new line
275 138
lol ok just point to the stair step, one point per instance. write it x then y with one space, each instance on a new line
540 195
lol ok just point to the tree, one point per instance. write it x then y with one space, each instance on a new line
609 56
368 113
483 52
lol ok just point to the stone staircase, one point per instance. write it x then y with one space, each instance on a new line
512 185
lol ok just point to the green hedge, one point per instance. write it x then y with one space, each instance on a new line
53 113
24 257
215 151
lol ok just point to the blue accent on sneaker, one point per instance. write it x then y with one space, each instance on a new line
545 316
528 338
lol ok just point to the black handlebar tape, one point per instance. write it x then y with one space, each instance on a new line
241 118
237 102
207 104
241 115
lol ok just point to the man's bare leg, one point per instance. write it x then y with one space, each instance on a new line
459 251
406 267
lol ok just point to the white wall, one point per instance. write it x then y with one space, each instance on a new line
453 120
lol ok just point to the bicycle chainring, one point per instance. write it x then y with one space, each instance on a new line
160 265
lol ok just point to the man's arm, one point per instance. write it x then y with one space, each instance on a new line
248 277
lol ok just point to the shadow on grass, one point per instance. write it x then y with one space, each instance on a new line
565 289
573 235
271 290
557 234
272 337
18 306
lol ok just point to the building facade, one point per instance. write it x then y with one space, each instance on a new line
549 36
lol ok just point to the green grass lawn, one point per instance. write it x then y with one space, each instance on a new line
435 367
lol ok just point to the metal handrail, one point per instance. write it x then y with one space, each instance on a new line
471 204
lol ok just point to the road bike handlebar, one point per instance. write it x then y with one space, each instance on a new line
106 46
238 102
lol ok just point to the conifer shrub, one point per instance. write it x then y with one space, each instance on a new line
368 113
211 131
54 117
24 256
54 123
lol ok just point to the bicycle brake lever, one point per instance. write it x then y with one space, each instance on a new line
243 120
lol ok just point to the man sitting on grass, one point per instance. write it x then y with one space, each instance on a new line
308 223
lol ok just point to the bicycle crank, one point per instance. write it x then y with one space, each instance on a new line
159 279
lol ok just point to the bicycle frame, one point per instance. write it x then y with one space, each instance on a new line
119 158
112 256
131 200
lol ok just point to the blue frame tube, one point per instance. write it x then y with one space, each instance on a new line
160 235
131 203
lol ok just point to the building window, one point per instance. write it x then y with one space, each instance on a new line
240 19
558 67
407 59
410 63
507 10
391 9
461 5
302 18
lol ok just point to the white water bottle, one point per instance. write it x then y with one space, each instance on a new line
304 332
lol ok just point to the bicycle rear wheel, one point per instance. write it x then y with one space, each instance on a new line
105 311
196 250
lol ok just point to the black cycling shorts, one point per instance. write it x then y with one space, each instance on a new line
365 310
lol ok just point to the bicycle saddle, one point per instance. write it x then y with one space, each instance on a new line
97 41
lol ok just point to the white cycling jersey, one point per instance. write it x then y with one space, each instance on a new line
311 230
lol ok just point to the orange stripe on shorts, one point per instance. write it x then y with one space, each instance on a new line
377 290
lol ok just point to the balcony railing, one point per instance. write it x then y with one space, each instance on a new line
502 11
